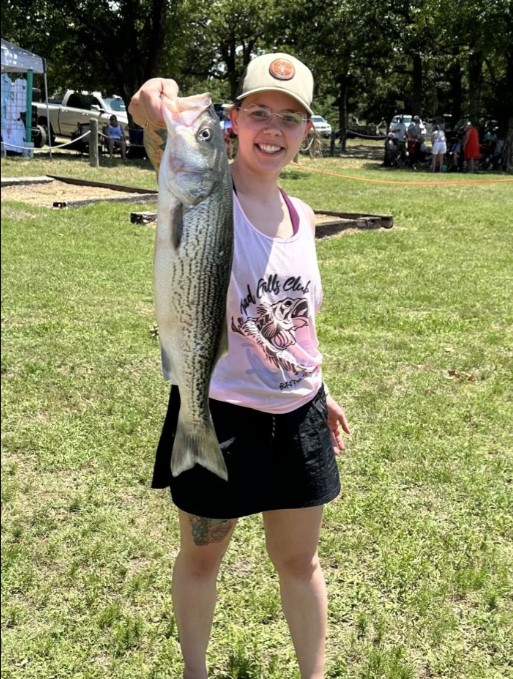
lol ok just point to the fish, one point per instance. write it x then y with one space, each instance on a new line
191 271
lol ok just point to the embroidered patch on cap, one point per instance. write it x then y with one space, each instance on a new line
282 69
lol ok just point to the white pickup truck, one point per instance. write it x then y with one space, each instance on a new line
76 108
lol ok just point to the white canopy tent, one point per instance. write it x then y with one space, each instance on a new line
18 60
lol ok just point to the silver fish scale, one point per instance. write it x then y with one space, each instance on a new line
200 281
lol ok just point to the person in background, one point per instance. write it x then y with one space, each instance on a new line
414 140
488 147
399 130
438 149
471 150
115 137
268 398
399 134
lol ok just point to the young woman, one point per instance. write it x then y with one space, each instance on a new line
282 427
438 148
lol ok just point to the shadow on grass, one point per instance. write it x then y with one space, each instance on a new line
105 161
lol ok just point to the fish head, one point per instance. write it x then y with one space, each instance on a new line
291 311
194 149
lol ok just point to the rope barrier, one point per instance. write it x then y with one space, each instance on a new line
409 183
377 137
8 145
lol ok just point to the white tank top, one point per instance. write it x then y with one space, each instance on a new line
273 363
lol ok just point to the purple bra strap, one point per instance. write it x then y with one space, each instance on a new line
294 217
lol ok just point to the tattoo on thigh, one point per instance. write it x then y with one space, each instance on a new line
206 531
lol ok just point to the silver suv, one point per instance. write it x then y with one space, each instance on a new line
321 126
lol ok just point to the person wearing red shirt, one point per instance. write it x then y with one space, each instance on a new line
471 149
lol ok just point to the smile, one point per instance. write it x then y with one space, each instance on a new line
269 148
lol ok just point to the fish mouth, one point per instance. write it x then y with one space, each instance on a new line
300 309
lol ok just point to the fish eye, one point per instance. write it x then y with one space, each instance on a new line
205 134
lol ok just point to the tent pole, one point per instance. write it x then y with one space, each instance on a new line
49 127
28 110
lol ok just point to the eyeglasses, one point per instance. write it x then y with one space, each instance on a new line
263 116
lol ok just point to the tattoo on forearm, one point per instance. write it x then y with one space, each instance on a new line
206 531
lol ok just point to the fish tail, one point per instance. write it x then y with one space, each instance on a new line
197 445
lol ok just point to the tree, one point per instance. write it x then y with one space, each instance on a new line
92 44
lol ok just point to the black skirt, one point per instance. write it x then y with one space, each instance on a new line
274 461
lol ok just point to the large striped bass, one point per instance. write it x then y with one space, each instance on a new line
192 265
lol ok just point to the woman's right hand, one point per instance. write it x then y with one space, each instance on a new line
146 104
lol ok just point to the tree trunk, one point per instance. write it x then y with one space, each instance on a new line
343 81
509 105
416 101
456 88
509 141
475 81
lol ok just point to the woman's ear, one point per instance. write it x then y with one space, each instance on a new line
233 112
308 128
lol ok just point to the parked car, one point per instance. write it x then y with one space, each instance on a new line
77 108
321 126
407 120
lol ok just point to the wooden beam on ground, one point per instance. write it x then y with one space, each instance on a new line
22 181
103 185
325 227
138 198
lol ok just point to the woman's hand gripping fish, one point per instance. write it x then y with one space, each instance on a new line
192 265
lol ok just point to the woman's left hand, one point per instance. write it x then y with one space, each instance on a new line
336 420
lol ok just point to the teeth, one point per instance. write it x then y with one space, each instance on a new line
268 148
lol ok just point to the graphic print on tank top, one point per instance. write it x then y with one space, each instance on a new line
272 330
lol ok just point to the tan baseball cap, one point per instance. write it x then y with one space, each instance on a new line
278 72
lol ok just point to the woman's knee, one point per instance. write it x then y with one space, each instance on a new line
200 563
300 566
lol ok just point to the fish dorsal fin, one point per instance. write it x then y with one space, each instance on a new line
176 216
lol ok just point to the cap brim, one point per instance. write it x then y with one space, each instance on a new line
276 89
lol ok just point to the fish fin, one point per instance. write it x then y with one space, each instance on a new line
223 341
197 445
167 365
176 217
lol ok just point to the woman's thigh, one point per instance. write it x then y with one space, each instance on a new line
204 538
293 534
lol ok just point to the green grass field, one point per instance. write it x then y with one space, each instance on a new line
417 332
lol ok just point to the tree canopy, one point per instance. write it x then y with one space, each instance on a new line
370 58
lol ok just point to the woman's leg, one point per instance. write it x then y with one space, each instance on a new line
292 536
203 543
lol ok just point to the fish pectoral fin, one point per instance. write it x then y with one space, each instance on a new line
176 220
167 364
197 445
223 341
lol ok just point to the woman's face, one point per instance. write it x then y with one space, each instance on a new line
271 127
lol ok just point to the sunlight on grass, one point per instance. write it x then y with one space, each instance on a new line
417 334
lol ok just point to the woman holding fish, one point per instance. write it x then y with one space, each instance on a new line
250 427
